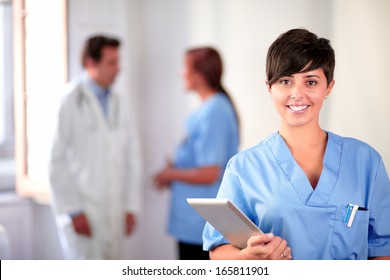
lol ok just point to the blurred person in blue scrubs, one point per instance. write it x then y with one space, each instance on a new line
212 138
95 166
315 194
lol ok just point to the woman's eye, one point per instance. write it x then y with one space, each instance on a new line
284 82
311 83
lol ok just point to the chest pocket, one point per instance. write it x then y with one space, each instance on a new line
350 242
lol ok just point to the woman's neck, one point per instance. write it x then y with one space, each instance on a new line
307 146
304 138
205 93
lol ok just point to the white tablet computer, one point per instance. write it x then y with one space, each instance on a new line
225 217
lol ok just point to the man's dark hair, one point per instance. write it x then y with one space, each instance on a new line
94 45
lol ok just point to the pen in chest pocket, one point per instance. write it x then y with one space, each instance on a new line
351 213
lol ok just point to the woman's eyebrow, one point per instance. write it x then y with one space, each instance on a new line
312 76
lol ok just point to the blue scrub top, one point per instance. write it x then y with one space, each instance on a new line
268 185
212 139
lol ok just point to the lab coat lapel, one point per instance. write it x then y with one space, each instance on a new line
113 111
96 108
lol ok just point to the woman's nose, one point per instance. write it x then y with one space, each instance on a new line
296 93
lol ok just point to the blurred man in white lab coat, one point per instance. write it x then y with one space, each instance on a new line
95 165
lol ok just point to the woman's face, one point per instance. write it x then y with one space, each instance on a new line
298 98
190 76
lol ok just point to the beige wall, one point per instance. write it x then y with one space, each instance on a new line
359 105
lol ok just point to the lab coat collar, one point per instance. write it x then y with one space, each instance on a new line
95 87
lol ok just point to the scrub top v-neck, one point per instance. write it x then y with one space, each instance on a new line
269 186
298 179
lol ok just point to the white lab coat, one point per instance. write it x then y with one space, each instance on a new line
95 167
5 246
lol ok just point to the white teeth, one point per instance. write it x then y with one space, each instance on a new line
298 108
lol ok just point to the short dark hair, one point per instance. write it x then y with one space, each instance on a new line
298 51
94 45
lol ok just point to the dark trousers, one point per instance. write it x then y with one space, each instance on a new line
192 252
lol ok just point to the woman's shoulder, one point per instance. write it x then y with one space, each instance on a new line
218 100
353 145
258 152
217 105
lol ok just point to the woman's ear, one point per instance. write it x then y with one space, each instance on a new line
330 87
268 88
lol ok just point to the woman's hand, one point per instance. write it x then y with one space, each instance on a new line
259 247
266 247
164 178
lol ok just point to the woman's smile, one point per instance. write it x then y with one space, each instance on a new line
298 108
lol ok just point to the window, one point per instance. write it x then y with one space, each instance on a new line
7 162
40 73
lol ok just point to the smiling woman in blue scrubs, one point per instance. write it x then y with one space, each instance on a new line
212 139
315 194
